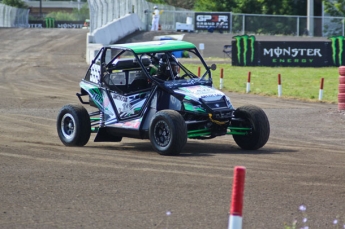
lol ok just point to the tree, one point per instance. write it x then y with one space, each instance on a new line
83 1
247 7
282 7
15 3
186 4
83 13
214 5
76 15
335 7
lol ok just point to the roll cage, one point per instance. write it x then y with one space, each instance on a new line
112 60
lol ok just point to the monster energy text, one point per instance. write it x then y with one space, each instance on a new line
245 47
297 55
337 45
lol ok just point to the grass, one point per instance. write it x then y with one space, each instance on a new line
298 83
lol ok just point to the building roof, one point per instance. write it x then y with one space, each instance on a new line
55 4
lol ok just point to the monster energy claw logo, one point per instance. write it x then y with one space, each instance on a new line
247 42
337 49
50 22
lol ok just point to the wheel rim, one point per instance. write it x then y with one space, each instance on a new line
68 126
162 133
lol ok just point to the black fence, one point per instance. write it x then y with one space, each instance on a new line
246 51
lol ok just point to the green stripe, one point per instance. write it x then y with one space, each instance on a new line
157 46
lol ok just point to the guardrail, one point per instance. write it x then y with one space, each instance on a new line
13 17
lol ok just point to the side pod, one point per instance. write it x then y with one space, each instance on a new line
104 136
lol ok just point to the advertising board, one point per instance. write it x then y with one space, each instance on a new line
203 21
247 51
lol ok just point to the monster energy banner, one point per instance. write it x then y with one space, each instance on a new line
246 51
338 52
52 23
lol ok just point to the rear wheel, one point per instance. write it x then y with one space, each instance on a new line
168 132
73 125
256 119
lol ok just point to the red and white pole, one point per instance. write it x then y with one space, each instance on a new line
235 217
248 83
321 89
221 78
341 88
279 85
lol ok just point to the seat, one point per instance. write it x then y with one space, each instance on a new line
116 81
138 84
228 51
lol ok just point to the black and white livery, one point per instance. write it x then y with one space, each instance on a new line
145 91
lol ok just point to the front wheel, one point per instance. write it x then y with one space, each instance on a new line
168 132
256 119
73 125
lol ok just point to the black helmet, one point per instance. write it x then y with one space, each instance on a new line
166 65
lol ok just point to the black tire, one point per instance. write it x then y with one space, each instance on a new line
168 132
255 118
73 125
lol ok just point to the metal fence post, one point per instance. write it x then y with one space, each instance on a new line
243 22
297 32
230 27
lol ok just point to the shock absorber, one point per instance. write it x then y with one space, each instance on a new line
101 120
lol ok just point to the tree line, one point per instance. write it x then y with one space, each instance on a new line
281 7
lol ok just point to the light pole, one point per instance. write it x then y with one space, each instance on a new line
40 9
310 17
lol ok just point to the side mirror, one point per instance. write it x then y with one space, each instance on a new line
213 67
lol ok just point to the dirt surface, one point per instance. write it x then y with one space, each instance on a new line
127 185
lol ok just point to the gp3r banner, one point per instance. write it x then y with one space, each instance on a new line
203 21
246 51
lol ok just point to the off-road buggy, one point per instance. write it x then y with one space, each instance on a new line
129 98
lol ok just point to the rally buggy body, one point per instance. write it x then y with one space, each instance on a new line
127 99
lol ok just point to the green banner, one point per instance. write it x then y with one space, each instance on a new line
50 22
337 44
245 49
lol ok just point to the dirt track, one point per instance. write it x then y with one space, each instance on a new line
126 185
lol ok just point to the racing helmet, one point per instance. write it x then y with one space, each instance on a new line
155 7
164 66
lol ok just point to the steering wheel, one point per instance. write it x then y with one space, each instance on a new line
183 76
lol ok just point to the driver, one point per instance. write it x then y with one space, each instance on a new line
167 67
